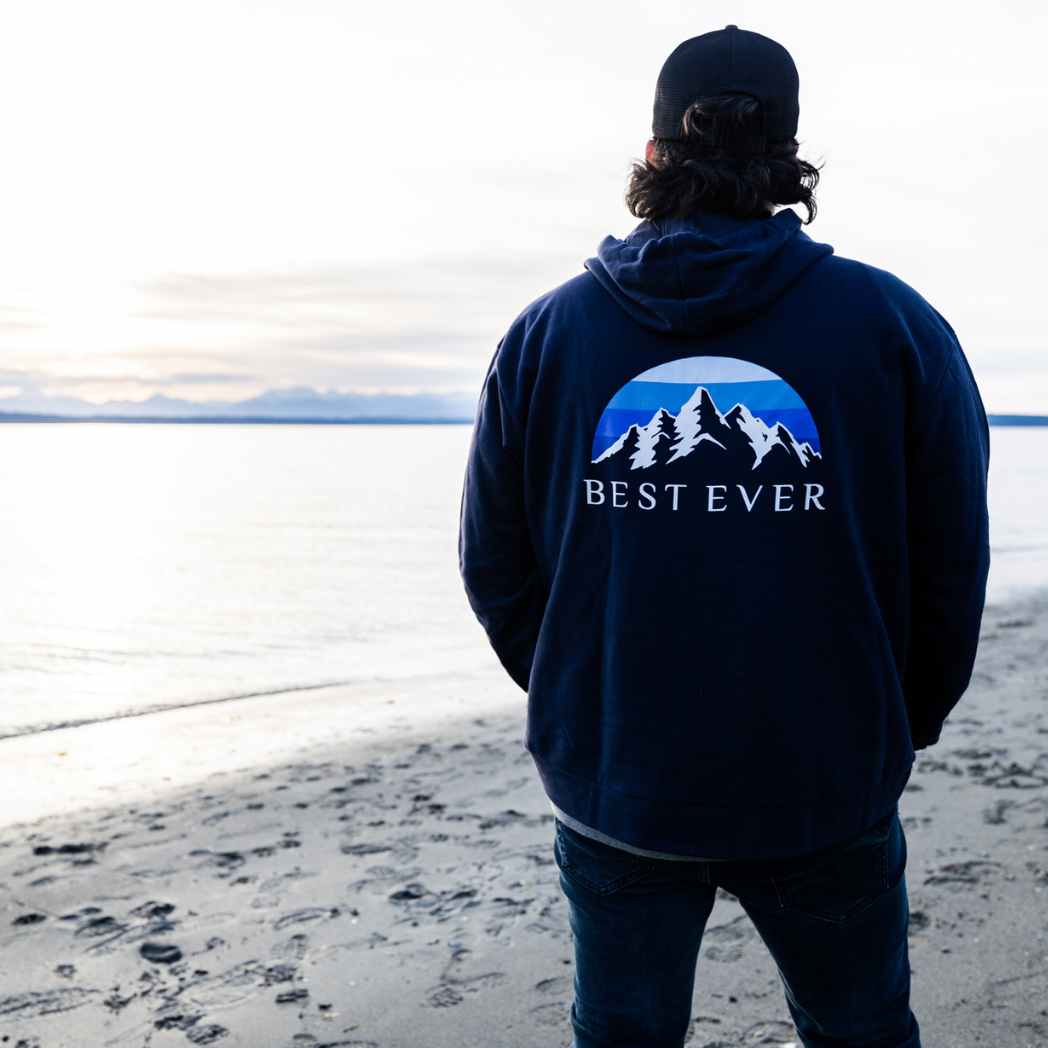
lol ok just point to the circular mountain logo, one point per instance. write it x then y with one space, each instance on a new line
708 419
670 412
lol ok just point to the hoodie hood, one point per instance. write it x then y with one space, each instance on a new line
696 275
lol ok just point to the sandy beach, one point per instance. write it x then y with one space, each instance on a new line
378 872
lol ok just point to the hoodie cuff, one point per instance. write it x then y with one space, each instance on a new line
923 733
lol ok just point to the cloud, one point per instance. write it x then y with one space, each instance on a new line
434 320
206 378
18 318
31 381
434 286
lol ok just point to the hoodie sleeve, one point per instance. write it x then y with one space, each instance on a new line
496 557
949 542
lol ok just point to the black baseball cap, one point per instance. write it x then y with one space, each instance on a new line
728 59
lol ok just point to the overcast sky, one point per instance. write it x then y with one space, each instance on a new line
209 199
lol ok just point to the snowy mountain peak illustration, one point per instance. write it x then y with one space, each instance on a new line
700 427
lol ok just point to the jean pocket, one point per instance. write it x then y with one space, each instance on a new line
839 883
593 865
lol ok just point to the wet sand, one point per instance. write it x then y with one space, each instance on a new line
378 872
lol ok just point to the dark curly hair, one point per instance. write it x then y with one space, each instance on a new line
721 163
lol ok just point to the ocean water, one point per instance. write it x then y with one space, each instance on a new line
155 565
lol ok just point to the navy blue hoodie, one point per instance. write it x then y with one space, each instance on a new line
724 519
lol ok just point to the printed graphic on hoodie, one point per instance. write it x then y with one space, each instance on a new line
716 422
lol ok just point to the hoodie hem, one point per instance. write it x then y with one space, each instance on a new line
719 832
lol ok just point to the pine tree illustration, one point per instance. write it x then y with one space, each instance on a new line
631 445
665 436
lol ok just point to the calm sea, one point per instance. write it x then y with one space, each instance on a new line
151 565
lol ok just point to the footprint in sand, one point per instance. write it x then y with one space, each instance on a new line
160 953
84 848
725 943
28 918
444 997
966 873
769 1032
995 814
554 1014
195 1031
1015 624
1016 777
556 984
296 947
452 991
306 915
98 926
918 922
24 1006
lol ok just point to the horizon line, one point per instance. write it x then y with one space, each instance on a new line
269 420
994 419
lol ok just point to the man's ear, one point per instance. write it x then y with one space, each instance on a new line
649 151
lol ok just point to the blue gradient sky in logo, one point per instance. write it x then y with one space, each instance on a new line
729 380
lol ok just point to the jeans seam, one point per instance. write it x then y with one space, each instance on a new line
607 888
841 921
573 872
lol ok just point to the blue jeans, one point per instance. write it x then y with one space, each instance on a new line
834 921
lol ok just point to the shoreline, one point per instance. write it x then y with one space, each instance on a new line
349 687
994 419
373 867
148 753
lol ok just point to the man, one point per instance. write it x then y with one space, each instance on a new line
724 519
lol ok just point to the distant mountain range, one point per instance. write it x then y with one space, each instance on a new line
296 404
299 404
700 429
